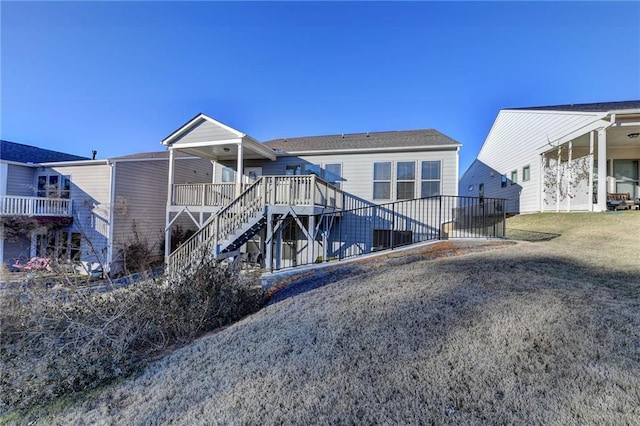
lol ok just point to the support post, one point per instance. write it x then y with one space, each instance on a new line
269 243
311 226
558 179
239 170
569 176
167 229
602 170
591 164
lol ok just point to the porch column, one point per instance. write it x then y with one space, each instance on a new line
602 170
591 140
311 241
239 170
268 255
558 179
541 179
569 176
167 229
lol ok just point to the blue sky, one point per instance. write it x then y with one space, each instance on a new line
118 77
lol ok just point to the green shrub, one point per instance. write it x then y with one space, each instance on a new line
57 341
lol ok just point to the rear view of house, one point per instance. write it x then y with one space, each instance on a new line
295 201
560 158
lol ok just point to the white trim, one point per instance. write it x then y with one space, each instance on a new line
205 143
131 160
73 163
577 133
4 173
200 117
366 150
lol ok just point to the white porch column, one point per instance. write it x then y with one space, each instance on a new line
239 170
541 182
569 176
602 170
558 179
311 242
167 229
591 140
268 255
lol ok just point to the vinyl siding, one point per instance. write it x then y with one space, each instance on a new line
141 187
516 140
357 169
205 131
90 193
20 180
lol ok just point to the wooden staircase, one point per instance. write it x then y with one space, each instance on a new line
232 226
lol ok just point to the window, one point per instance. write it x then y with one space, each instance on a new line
503 181
54 186
333 174
382 238
526 173
293 169
514 177
481 190
382 181
430 179
405 180
228 174
61 245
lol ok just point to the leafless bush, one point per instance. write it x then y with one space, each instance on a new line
58 340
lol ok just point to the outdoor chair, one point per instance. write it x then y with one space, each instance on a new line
33 264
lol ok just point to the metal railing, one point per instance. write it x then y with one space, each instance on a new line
35 206
373 228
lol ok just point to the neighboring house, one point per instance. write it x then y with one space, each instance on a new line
559 158
272 202
85 212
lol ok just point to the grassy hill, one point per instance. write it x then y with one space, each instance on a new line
546 331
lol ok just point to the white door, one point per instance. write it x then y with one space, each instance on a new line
251 174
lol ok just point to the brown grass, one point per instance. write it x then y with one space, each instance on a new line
543 332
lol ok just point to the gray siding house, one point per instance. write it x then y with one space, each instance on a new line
582 157
85 212
271 202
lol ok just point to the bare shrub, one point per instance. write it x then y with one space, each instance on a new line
58 339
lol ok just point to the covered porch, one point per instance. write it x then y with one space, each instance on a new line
586 170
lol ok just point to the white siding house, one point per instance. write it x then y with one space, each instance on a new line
268 200
547 158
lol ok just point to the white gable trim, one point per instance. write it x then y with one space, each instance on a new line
198 118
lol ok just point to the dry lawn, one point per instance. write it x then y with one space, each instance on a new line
544 332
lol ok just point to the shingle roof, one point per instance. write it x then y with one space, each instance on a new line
592 107
12 151
355 141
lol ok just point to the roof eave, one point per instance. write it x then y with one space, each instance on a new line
283 153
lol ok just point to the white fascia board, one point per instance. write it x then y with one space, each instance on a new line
177 133
203 144
74 163
623 111
598 124
258 148
18 163
369 150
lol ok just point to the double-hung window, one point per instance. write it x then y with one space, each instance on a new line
382 181
405 180
430 179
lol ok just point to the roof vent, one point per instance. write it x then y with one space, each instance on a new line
343 136
367 134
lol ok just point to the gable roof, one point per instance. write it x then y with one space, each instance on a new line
21 153
592 107
364 141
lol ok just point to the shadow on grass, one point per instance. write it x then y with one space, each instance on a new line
531 236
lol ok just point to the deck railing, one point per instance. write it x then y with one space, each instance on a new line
203 194
11 205
267 190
